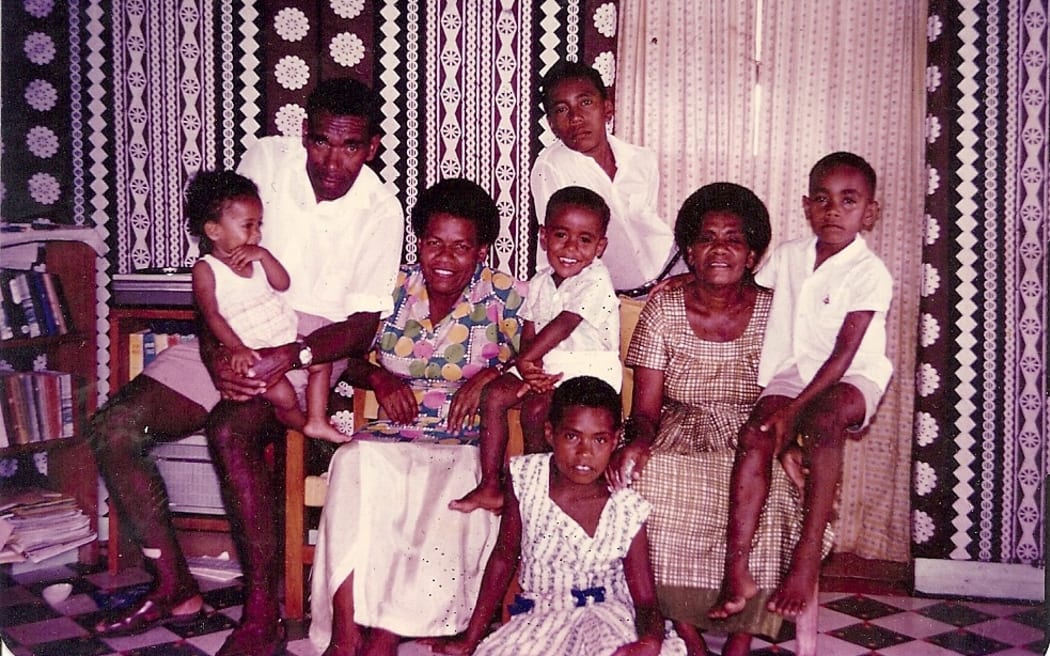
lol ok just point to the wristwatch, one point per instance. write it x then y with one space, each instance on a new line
306 356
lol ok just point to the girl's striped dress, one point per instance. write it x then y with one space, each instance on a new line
574 599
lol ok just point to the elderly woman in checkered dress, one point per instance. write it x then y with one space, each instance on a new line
695 357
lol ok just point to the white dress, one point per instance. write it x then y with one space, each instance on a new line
573 585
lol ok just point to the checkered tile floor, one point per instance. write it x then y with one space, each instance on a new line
849 624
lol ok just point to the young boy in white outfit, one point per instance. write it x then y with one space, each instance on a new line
572 328
824 369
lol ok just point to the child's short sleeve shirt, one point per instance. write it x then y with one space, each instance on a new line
590 295
810 306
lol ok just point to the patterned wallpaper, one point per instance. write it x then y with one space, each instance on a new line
137 100
193 83
38 145
980 442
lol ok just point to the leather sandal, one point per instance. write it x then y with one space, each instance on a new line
145 615
255 639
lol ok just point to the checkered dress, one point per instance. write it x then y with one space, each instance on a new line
709 390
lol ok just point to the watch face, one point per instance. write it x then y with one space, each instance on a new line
306 356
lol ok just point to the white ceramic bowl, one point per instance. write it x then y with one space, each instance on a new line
56 593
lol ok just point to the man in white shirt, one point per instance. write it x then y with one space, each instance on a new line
641 244
338 231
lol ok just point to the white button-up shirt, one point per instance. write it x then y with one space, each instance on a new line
640 242
342 255
810 306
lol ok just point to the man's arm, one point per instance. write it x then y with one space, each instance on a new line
351 337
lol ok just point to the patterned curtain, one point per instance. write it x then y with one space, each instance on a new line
742 92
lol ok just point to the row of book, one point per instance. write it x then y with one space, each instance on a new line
36 406
33 305
144 345
38 524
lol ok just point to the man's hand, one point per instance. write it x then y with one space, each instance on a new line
273 362
241 359
230 384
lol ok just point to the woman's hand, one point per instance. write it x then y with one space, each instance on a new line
643 647
395 397
467 400
626 465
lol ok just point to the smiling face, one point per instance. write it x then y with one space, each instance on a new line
572 237
839 206
449 253
583 441
240 223
336 149
577 113
720 254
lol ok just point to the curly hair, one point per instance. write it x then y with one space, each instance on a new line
461 198
725 197
207 195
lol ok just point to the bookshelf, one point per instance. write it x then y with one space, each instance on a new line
70 255
148 304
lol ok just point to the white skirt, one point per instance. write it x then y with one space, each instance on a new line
417 565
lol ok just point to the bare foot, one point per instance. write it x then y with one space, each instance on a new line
797 588
694 641
733 596
484 497
322 430
737 644
347 643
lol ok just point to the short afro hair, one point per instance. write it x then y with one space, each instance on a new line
588 392
461 198
724 197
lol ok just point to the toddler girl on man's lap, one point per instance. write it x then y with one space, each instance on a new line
236 288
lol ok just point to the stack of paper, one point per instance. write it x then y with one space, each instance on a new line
38 524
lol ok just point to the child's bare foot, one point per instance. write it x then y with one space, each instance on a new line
484 496
733 596
322 430
797 589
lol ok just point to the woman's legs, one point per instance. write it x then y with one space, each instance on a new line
695 644
347 637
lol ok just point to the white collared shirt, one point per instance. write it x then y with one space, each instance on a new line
809 307
640 242
342 255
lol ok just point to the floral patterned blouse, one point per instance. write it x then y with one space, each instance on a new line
482 330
